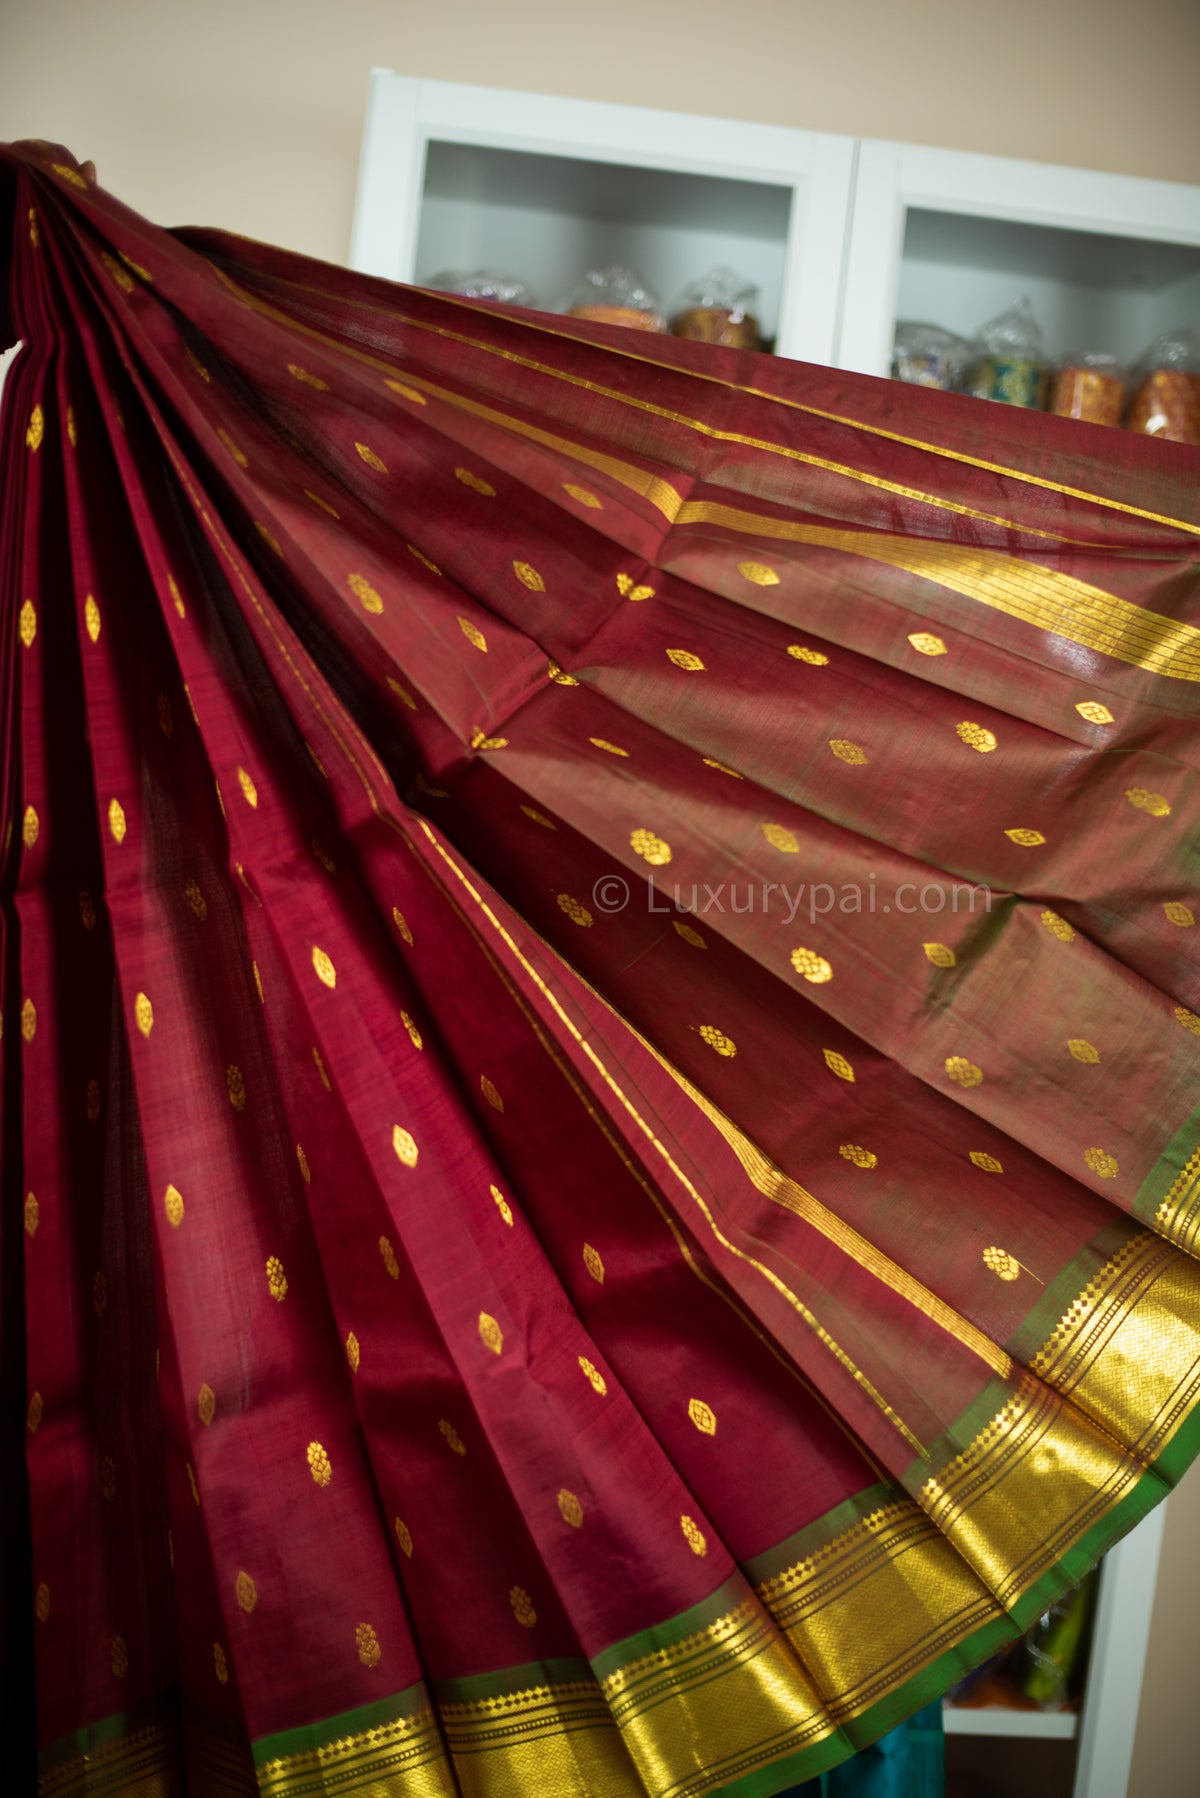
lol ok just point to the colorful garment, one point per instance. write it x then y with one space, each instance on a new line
601 1030
905 1763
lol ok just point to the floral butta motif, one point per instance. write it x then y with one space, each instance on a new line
465 1112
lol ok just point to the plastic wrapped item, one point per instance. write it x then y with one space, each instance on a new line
927 356
484 284
1088 387
1048 1665
1166 396
616 296
721 307
1009 364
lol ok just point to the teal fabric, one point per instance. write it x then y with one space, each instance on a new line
908 1762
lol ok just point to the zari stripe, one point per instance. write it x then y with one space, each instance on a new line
615 395
766 1273
1045 598
777 1186
555 1739
851 424
401 1755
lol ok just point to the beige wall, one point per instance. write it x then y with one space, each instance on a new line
247 113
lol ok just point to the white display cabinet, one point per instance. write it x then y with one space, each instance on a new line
1106 1721
1108 261
466 177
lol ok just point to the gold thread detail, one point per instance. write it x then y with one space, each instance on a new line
655 850
761 573
578 914
693 1535
1144 801
976 736
986 1163
364 592
811 966
451 1437
703 1416
594 1377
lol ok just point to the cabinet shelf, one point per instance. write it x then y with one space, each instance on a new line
999 1720
549 218
1109 262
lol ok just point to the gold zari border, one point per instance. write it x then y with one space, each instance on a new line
555 1739
142 1764
1178 1217
823 1640
404 1756
154 1760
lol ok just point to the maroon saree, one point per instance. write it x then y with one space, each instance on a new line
600 1030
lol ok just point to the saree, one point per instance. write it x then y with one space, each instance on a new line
600 1030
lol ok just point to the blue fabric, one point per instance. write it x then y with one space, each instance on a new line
909 1762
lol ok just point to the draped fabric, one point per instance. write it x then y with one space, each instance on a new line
600 1030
